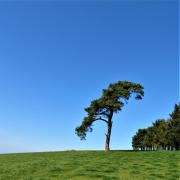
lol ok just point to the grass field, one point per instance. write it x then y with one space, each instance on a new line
125 165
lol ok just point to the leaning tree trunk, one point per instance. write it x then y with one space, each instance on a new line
108 135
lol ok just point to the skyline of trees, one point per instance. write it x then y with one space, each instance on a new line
162 135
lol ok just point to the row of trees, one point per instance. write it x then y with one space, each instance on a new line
162 135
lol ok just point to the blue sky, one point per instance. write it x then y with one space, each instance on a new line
55 57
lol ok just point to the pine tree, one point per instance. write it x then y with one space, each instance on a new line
112 100
174 125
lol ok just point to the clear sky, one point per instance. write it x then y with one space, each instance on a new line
55 57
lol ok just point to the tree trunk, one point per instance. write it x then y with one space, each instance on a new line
108 135
176 146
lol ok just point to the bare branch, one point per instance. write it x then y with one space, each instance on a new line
100 119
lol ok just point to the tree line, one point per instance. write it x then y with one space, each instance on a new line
162 135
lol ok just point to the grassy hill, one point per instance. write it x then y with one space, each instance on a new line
125 165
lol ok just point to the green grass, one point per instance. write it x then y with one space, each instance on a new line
77 165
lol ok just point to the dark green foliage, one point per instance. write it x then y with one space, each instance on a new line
163 134
112 100
88 165
174 127
140 138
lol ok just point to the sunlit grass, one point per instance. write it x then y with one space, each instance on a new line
77 165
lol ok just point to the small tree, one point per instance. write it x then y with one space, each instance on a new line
112 100
139 140
150 136
174 125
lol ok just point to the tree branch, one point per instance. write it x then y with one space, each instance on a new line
100 119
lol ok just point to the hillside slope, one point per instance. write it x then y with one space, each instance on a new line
125 165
